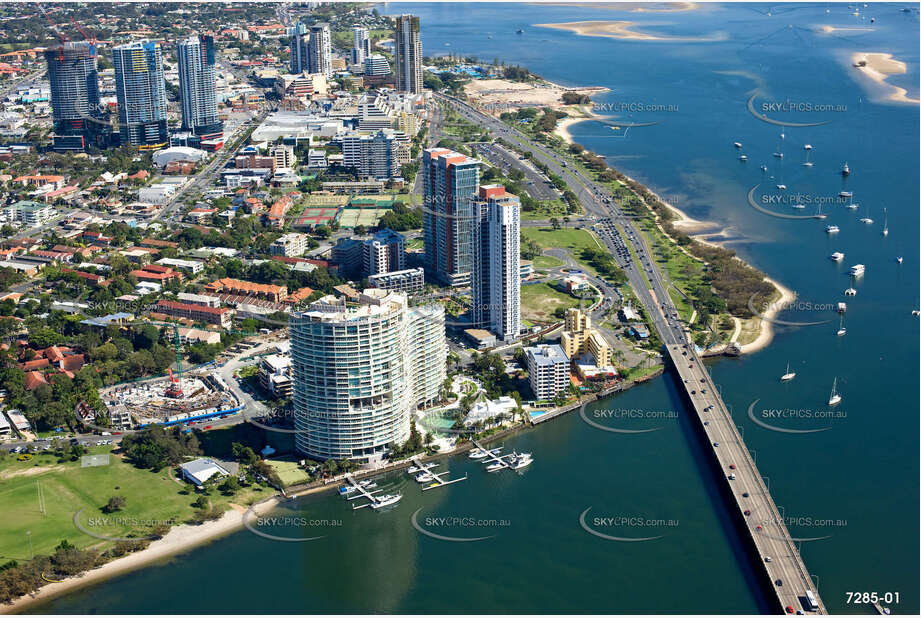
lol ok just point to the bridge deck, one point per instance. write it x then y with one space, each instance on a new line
764 521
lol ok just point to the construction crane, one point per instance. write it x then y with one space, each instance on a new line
57 32
174 389
86 37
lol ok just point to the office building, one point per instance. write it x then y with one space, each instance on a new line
141 94
283 156
275 375
407 281
289 245
373 156
299 38
383 253
196 87
580 338
407 56
450 184
361 44
376 64
359 370
75 106
548 371
348 255
319 50
496 281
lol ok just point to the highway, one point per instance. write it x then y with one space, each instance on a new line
535 183
206 175
777 552
785 572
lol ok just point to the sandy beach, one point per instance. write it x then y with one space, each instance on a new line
622 30
878 67
766 334
693 227
178 540
633 7
501 95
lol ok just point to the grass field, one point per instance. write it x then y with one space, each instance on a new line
547 261
539 301
573 240
150 498
288 471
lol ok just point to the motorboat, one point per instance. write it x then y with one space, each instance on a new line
386 500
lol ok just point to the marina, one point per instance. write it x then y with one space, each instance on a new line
494 462
375 499
425 474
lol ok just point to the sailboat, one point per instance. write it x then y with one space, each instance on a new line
885 223
841 330
808 150
789 375
779 153
834 399
867 219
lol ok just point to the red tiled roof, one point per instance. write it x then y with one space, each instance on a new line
34 379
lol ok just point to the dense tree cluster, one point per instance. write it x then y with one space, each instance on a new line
158 447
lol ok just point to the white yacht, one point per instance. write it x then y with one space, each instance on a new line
808 149
857 270
386 500
885 223
522 461
837 256
496 466
737 144
743 158
841 330
846 194
842 307
832 229
764 168
789 375
845 170
779 155
798 206
782 187
899 259
425 477
834 399
850 292
867 220
480 453
853 206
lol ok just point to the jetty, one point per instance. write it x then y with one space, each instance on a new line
437 481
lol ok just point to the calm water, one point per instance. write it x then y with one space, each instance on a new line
859 476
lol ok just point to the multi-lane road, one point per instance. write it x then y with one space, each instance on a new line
774 546
784 568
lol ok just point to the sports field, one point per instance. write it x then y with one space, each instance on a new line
38 500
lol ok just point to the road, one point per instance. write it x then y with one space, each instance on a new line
535 183
646 280
201 180
789 577
777 552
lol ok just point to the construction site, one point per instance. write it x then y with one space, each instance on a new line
178 398
171 400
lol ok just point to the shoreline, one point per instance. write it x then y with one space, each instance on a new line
878 67
694 228
178 540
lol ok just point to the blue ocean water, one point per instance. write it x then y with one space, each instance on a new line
856 482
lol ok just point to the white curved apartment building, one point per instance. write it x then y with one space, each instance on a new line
360 369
